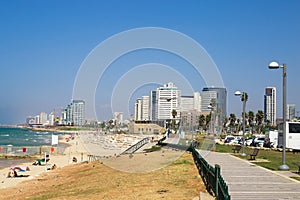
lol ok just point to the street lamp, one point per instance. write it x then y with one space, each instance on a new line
211 118
243 98
275 65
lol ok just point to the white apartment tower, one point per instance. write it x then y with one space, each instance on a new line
138 110
197 101
145 108
168 99
78 112
270 105
291 112
186 103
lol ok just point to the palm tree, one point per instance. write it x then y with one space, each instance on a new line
225 121
174 113
259 119
201 121
232 119
207 120
250 118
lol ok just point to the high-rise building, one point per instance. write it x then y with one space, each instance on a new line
270 105
145 108
138 110
186 103
291 112
152 106
197 101
118 117
51 118
69 115
78 110
168 99
43 118
220 97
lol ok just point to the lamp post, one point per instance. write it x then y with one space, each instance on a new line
244 99
211 118
275 65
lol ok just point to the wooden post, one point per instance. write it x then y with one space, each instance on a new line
217 174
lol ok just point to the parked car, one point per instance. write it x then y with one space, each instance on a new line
232 139
258 141
249 141
228 139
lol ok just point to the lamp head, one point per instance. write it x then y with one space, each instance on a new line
274 65
237 93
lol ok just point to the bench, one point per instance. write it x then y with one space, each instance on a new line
254 154
298 165
236 148
296 151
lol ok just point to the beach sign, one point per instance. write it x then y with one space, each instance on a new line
24 150
54 139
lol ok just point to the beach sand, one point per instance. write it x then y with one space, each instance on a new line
75 149
144 180
83 144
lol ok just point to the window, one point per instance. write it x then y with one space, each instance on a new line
294 128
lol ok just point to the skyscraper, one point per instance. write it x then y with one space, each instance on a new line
152 105
270 105
78 110
145 108
220 97
186 103
168 98
138 110
291 112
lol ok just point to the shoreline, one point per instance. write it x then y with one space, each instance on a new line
35 171
84 143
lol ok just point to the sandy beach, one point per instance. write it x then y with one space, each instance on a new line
59 160
83 144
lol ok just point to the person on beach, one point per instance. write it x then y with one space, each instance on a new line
53 167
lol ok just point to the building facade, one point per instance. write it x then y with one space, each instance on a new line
270 105
145 108
219 95
152 105
168 99
78 111
186 103
138 110
291 112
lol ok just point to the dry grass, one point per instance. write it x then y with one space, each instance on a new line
179 180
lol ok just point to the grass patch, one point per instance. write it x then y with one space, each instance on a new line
153 148
295 177
273 157
185 162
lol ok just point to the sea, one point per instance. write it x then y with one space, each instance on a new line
22 137
25 137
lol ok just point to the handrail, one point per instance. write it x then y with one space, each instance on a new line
136 146
211 176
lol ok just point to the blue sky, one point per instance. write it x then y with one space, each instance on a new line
43 44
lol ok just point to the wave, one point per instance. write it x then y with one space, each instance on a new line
5 135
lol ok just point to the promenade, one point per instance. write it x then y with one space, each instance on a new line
246 180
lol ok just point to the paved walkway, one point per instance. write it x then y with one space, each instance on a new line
246 180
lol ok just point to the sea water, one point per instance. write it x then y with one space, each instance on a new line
25 137
21 137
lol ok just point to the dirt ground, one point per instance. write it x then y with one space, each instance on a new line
95 180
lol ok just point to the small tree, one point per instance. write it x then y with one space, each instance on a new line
201 121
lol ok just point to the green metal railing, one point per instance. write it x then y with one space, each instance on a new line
211 176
